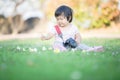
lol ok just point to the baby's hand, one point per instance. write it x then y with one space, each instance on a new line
43 36
46 36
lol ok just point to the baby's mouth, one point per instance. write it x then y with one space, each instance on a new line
61 25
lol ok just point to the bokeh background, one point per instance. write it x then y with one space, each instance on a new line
34 16
34 59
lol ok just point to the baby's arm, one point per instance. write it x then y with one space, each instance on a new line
47 36
78 38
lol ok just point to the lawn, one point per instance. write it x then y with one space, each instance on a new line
32 59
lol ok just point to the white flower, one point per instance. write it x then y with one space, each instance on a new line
73 50
44 48
35 49
31 50
50 48
24 49
18 48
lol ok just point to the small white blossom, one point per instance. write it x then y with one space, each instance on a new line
18 48
35 49
24 49
44 48
73 50
31 50
50 48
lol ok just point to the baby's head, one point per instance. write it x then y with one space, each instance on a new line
65 11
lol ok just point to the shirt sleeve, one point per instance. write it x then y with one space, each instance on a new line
51 29
76 30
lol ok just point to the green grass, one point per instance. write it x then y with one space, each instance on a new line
17 62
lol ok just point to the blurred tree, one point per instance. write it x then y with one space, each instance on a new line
108 14
87 13
4 25
50 6
17 12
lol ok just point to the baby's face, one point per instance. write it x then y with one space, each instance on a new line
62 21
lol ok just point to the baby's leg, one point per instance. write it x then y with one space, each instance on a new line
83 47
96 49
89 48
59 46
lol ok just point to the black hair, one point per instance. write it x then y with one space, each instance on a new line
67 11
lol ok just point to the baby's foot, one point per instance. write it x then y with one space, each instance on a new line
95 49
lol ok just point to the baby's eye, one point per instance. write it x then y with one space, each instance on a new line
59 19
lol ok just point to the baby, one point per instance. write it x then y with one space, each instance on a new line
64 16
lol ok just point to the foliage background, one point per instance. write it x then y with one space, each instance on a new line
87 15
93 14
